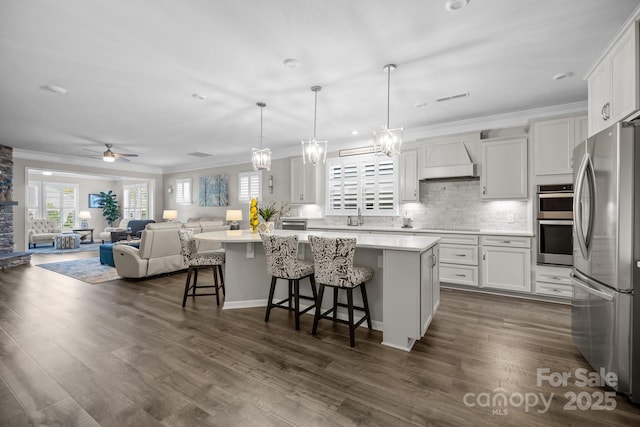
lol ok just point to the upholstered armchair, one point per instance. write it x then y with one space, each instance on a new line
106 234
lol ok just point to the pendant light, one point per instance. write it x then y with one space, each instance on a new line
261 158
388 141
314 151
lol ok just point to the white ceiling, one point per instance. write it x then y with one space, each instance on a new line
130 68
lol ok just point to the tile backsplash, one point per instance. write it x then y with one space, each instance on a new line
454 204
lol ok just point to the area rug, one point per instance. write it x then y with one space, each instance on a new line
87 269
49 249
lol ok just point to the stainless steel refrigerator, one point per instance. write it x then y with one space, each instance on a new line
605 276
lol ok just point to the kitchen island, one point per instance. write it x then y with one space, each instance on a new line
403 295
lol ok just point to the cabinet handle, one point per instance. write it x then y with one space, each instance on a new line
484 190
434 260
484 256
461 254
415 192
461 275
555 277
302 197
505 241
605 111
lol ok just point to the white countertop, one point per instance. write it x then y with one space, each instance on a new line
377 241
398 229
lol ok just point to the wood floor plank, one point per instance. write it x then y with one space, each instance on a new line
126 353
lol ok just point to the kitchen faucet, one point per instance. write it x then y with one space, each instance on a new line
360 218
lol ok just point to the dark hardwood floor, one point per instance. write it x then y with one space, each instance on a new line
125 353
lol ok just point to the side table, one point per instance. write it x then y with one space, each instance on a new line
84 233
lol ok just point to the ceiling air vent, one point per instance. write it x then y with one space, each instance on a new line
452 97
199 154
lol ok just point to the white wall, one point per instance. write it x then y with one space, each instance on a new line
281 190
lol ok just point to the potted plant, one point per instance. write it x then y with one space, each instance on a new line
267 213
110 207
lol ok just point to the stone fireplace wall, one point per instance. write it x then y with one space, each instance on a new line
6 212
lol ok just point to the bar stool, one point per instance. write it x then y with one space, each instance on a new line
333 262
283 263
196 261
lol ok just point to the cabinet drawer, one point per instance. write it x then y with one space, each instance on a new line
458 254
462 275
554 289
554 278
458 239
508 241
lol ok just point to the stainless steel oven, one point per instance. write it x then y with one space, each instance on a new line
555 201
555 242
555 224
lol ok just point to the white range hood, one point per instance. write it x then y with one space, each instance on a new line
450 160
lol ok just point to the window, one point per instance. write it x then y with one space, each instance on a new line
53 200
183 191
368 183
250 186
136 201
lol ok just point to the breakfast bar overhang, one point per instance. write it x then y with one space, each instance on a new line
404 293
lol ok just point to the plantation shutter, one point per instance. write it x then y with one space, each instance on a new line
250 184
183 191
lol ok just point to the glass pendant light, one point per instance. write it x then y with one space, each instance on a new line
314 151
261 158
388 141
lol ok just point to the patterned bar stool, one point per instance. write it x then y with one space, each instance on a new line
283 263
333 260
196 261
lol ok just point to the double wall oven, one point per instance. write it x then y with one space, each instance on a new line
555 224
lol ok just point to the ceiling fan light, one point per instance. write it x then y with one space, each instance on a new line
108 157
314 151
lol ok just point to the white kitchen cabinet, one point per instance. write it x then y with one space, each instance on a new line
554 141
409 176
459 259
429 288
506 264
554 282
613 81
504 168
303 181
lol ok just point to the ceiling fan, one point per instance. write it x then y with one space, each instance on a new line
110 156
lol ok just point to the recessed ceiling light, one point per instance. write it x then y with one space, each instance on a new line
55 89
199 96
291 63
563 75
453 5
354 132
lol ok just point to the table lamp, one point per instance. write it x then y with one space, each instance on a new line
234 216
169 215
84 216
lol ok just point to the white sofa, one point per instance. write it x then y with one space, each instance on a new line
42 231
204 225
159 250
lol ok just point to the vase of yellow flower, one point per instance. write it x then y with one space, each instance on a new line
253 215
